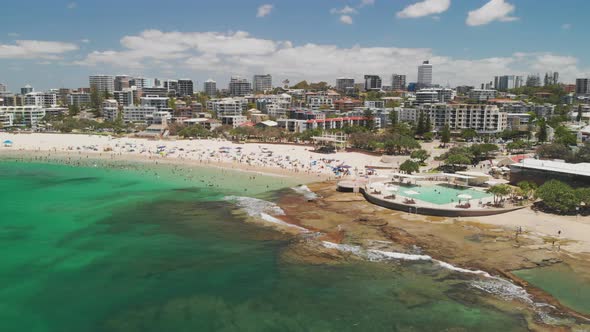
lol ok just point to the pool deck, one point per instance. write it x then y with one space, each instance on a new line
421 207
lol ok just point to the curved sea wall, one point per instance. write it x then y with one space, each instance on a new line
434 211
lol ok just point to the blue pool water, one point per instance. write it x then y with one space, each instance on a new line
440 194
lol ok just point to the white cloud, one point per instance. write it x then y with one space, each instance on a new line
366 3
85 41
346 19
346 10
13 34
264 10
424 8
566 26
208 54
72 5
494 10
35 49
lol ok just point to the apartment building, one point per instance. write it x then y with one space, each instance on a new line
210 88
239 87
155 101
185 87
398 82
262 83
485 119
78 99
102 83
29 116
138 114
44 99
227 106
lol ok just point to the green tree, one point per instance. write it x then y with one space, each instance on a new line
499 191
483 151
445 135
420 125
542 133
528 188
369 119
420 155
564 136
558 196
455 160
409 166
194 131
468 134
554 151
516 145
172 103
393 118
580 113
73 110
428 136
427 124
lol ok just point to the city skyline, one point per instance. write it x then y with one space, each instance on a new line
338 39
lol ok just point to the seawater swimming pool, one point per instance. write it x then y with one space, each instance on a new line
441 194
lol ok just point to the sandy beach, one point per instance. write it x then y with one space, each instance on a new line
283 159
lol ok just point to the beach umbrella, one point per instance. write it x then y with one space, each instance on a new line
464 196
7 141
411 192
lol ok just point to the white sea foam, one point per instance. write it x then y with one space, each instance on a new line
254 206
503 288
274 220
306 192
380 255
262 209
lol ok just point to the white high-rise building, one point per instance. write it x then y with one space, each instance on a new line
2 87
102 83
262 83
210 88
425 74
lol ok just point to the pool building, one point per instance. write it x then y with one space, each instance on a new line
539 171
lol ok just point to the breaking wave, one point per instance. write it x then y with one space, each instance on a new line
503 288
306 192
265 210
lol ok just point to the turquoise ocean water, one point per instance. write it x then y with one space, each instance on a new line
95 249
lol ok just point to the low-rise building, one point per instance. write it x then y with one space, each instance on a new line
346 104
233 120
137 114
29 116
482 94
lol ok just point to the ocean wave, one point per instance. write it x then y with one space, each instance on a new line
265 210
306 192
275 220
254 206
503 288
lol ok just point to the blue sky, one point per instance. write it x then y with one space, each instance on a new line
51 44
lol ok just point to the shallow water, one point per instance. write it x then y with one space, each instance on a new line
94 249
561 281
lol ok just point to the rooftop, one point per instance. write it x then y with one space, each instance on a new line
582 169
